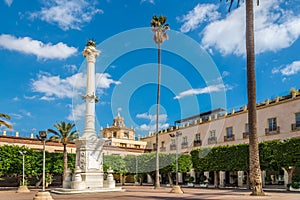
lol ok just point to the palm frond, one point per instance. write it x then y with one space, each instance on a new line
53 131
64 133
5 124
4 116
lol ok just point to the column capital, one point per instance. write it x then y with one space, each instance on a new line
90 53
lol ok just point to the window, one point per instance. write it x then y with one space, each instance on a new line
163 148
272 122
212 134
126 135
154 146
246 128
184 140
297 116
212 137
229 132
184 143
197 141
246 133
114 134
173 145
173 142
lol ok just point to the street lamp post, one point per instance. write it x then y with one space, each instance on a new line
43 194
176 188
42 137
136 169
23 187
23 166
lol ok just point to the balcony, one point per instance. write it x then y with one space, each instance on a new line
197 143
212 140
296 126
184 145
274 130
228 138
245 135
172 147
162 149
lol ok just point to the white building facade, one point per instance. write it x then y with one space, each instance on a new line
277 119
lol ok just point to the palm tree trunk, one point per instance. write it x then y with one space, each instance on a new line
255 172
65 162
157 183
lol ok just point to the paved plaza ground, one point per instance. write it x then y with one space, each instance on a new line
147 192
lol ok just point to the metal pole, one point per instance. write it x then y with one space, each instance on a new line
44 162
176 159
136 168
157 181
23 154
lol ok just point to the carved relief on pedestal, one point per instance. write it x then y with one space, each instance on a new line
83 162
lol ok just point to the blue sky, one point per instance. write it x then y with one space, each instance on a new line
203 62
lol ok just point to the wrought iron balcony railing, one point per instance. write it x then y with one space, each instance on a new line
296 126
162 149
197 143
228 138
184 145
172 147
274 130
212 140
246 135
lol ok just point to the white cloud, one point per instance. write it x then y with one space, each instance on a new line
77 112
205 90
21 115
16 116
26 113
152 118
152 124
16 99
227 35
104 80
67 14
71 68
201 13
29 46
30 97
53 87
152 128
288 70
225 73
149 1
8 2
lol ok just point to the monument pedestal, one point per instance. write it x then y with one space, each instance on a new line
89 171
93 179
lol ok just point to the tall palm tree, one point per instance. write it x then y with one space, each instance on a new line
159 27
2 122
64 135
255 171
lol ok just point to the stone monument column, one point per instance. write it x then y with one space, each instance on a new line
89 157
90 53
